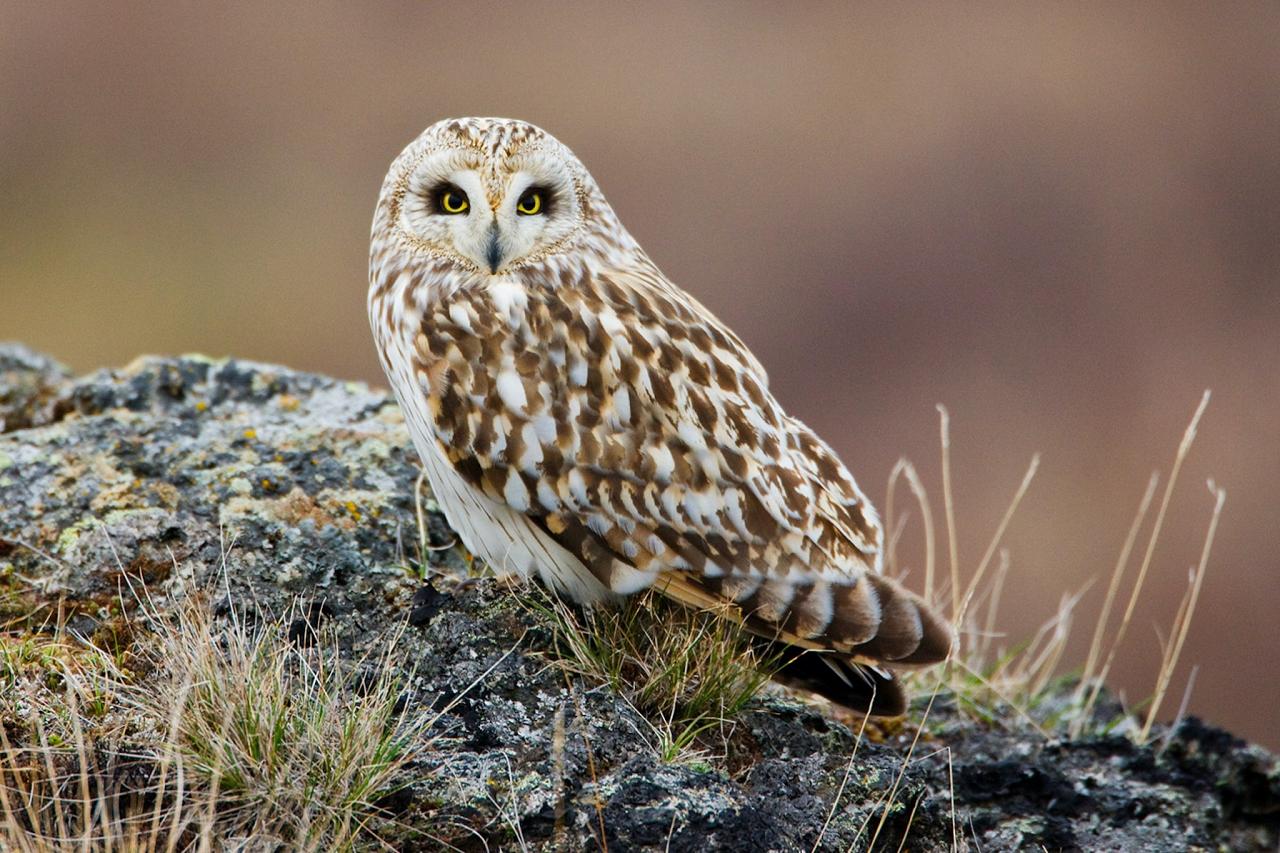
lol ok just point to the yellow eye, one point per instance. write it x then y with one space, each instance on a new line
530 203
453 200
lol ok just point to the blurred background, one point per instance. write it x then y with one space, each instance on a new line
1062 222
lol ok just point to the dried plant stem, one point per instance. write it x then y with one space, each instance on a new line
11 765
85 806
905 468
993 606
911 818
1041 668
999 534
953 548
1184 447
1117 574
1183 625
1182 709
892 793
831 813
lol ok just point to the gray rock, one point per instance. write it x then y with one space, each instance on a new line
267 485
29 384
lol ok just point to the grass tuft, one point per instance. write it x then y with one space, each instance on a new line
298 744
237 737
689 672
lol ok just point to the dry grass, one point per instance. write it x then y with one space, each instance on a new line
988 679
688 672
236 736
299 744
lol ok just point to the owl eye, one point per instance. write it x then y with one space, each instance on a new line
451 200
531 202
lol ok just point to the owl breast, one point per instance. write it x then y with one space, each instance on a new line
489 528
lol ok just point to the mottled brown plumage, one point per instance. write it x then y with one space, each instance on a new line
582 418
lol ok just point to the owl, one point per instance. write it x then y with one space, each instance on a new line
583 420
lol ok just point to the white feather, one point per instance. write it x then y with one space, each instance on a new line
459 315
511 390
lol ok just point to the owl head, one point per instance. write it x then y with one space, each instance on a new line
491 196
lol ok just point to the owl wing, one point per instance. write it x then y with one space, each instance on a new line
638 432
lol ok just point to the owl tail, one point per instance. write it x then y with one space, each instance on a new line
874 623
831 639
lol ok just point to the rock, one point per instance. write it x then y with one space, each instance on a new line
269 487
29 383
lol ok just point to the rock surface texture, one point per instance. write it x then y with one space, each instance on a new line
265 486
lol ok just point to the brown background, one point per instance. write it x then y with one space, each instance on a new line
1062 222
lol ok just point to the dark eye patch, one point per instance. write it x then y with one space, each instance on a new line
449 200
537 199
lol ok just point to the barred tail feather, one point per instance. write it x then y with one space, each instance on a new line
874 620
832 639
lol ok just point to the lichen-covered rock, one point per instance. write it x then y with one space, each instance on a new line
266 486
29 386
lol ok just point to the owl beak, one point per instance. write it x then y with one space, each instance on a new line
493 248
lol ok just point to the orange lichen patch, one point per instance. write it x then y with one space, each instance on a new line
298 505
75 470
134 494
291 509
288 402
123 494
202 406
250 434
353 510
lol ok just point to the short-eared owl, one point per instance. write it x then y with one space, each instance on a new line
582 418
